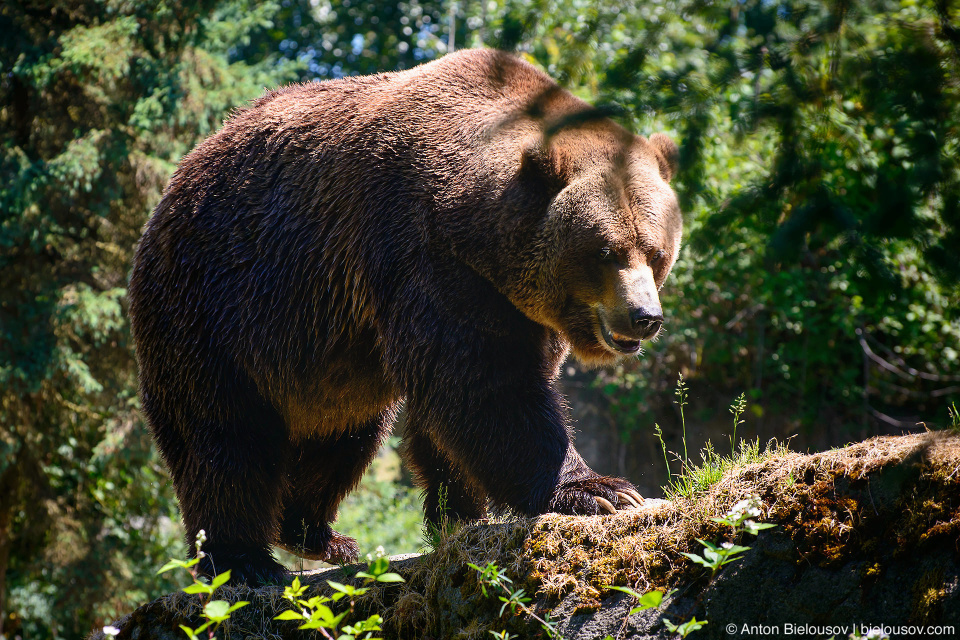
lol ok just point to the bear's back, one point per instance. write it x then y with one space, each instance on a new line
280 231
435 130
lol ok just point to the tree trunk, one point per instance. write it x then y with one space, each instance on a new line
9 483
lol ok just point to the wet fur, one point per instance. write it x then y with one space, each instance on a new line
341 246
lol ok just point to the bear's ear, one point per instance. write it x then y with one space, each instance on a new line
668 155
543 162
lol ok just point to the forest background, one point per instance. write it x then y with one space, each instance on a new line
820 273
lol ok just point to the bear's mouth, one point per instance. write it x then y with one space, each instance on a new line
616 341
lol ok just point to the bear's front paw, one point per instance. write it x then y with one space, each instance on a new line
595 495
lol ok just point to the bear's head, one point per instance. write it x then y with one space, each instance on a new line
608 241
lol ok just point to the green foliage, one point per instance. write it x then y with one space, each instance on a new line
435 532
658 432
334 38
514 600
385 509
648 600
696 478
215 612
314 614
737 408
820 179
715 556
742 519
682 393
98 100
685 629
378 569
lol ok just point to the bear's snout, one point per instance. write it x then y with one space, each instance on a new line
634 314
646 322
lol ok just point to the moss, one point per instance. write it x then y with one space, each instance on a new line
871 571
825 503
928 594
860 503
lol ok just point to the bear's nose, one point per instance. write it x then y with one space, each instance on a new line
645 323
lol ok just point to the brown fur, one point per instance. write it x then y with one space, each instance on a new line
431 235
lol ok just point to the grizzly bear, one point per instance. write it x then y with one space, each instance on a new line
441 237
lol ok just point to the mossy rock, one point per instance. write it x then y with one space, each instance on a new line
866 534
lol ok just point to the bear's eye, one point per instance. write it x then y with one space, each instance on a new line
657 258
607 255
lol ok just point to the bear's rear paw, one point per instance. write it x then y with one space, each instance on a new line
341 549
246 566
595 495
321 543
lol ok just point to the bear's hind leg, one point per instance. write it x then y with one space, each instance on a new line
321 472
229 483
446 493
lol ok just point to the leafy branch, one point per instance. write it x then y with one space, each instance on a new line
216 612
516 601
314 612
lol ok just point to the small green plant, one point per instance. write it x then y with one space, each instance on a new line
737 408
954 418
685 629
694 479
791 479
514 600
216 612
653 600
681 392
741 519
648 600
663 446
434 532
314 612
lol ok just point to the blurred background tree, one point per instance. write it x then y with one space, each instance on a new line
98 101
820 273
820 177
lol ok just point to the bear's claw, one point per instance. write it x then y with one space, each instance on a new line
594 495
605 504
631 497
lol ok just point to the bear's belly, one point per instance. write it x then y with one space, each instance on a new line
348 389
